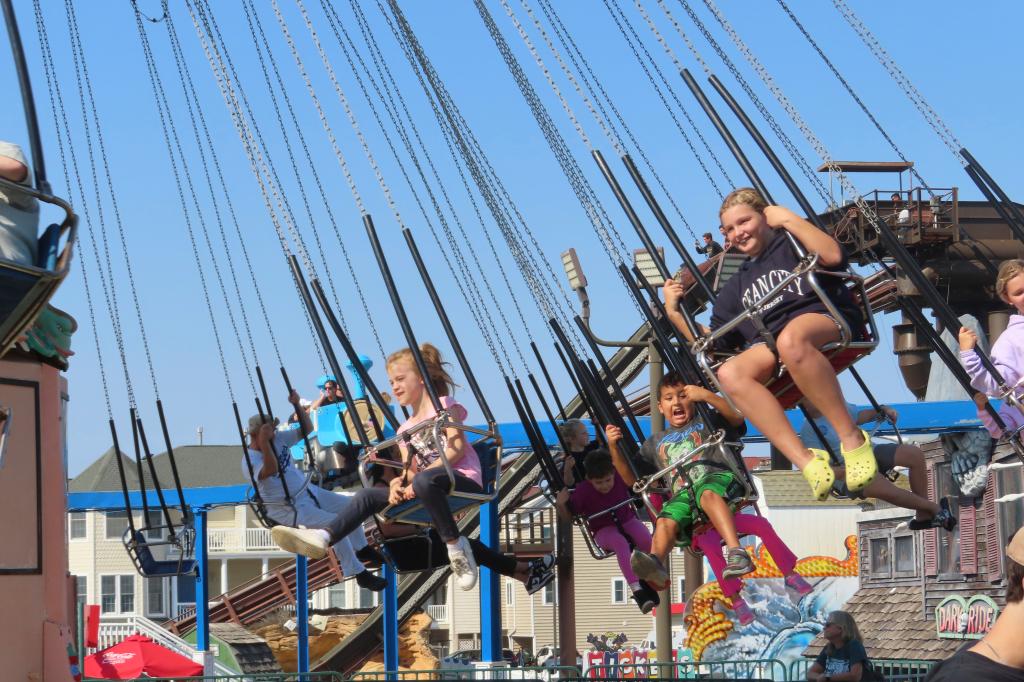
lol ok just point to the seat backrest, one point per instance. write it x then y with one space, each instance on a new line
487 453
48 248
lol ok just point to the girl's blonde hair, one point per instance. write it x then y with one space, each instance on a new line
440 379
1007 271
743 195
845 622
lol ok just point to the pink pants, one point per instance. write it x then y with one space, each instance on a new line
610 539
710 542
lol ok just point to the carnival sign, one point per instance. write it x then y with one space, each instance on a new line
959 618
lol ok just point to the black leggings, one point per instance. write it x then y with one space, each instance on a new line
431 487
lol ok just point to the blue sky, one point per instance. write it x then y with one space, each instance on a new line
962 60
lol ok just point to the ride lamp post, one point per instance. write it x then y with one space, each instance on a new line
648 268
577 281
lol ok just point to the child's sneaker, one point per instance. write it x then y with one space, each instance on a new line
819 475
944 519
646 598
369 581
795 582
742 611
861 465
648 567
460 556
737 563
539 573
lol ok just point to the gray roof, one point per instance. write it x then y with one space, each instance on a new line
199 466
789 489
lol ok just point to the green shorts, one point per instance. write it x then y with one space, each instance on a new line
680 510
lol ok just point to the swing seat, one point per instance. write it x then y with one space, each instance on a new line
853 344
140 550
25 289
488 450
583 522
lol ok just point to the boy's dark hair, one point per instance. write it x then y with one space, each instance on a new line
672 378
598 464
1014 581
707 234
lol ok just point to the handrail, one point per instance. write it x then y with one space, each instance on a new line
69 224
144 626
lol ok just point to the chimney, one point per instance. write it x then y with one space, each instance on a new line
199 434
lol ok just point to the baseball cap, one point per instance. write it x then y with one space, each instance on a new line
1015 550
256 421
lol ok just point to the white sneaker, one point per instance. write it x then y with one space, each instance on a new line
308 542
460 556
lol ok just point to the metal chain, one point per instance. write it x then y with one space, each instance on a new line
460 270
622 22
69 159
82 76
261 165
176 44
503 209
161 105
849 89
904 83
791 148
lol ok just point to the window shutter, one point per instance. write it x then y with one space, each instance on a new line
931 558
968 538
993 543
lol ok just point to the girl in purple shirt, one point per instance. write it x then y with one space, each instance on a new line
613 529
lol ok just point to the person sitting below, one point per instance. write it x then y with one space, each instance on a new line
799 324
577 440
330 394
277 480
1007 353
710 249
424 477
899 210
19 211
709 487
999 655
613 531
843 659
889 456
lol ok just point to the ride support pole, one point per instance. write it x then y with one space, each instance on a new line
202 585
302 612
390 606
565 592
663 617
490 588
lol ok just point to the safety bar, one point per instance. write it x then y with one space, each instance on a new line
69 225
259 505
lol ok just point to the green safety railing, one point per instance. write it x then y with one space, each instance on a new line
894 669
483 674
753 669
242 677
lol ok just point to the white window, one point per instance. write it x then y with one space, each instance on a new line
117 593
547 596
156 523
336 596
681 587
156 597
82 589
116 524
948 544
619 591
77 526
510 592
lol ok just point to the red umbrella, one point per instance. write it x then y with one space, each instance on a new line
138 655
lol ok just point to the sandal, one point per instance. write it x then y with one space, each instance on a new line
861 465
819 475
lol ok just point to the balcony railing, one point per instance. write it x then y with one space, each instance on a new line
238 540
439 613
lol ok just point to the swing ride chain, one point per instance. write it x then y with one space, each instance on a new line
455 128
82 75
633 40
257 161
176 44
904 83
251 10
852 93
786 141
157 89
63 129
587 75
474 299
251 16
393 92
